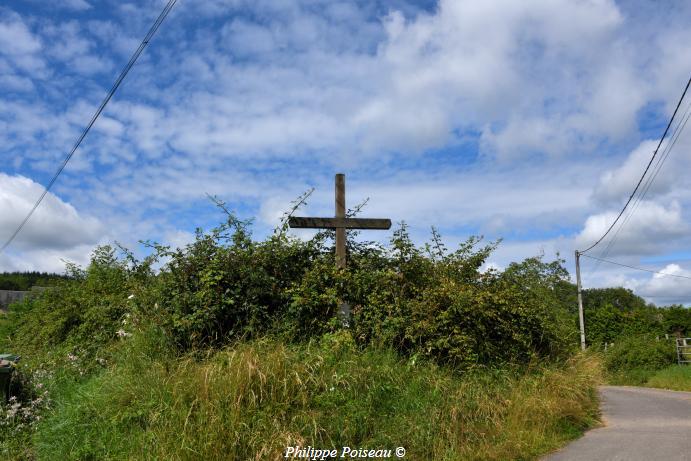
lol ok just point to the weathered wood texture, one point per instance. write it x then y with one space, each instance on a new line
340 223
340 214
335 223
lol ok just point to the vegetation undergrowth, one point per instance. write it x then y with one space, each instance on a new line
253 399
675 377
634 359
232 350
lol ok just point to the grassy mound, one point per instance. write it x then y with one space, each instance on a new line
252 400
232 350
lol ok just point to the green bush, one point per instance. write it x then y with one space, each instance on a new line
125 351
80 317
640 353
225 286
440 304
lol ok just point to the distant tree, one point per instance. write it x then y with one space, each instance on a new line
616 311
617 297
676 320
604 324
23 281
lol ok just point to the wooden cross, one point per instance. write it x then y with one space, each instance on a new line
340 222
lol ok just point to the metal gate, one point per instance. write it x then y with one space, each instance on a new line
684 350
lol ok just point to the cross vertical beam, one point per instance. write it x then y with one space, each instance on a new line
340 223
340 213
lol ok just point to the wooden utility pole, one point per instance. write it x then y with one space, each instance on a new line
340 223
581 321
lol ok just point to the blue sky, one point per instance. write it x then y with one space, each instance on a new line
528 121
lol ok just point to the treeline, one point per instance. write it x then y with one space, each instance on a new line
615 312
23 281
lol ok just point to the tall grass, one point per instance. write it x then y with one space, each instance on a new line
676 378
252 400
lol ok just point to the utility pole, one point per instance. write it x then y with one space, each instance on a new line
580 299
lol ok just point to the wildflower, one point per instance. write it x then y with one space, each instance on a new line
72 357
130 297
122 333
14 408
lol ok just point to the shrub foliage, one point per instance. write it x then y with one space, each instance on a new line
226 286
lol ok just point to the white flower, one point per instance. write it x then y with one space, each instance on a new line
130 297
122 333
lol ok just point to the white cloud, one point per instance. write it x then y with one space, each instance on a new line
616 185
20 45
257 100
305 81
55 226
45 260
16 83
68 42
78 5
650 229
662 289
178 238
16 38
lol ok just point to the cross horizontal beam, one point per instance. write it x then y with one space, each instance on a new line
335 223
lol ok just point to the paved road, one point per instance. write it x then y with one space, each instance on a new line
639 424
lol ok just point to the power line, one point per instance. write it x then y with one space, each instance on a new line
674 137
121 77
644 172
636 268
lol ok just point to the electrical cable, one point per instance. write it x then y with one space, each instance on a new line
644 172
636 268
674 137
121 77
